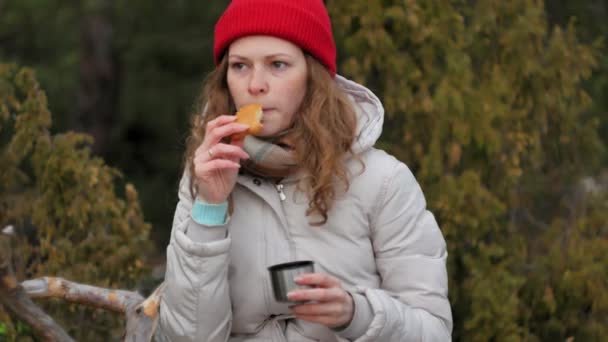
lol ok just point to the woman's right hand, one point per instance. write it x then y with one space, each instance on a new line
216 164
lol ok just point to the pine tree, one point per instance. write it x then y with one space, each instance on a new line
70 217
485 104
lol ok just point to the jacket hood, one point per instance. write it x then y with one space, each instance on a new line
370 113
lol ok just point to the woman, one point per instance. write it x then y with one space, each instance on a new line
311 186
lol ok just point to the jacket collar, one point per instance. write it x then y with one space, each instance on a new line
370 113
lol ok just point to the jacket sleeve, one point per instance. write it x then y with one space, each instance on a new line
412 303
196 303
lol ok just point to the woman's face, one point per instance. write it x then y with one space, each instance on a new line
269 71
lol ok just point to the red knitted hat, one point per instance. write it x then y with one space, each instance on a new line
303 22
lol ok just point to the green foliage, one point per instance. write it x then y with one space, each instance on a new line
566 293
161 51
485 103
590 15
71 222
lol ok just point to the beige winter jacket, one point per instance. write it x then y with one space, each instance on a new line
379 240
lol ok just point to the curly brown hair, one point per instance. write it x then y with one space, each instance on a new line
324 131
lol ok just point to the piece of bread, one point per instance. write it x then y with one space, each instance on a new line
249 115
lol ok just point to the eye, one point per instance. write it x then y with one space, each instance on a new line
237 66
279 65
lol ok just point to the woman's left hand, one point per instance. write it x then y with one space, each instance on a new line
329 305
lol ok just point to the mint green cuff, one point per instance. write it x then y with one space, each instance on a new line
209 214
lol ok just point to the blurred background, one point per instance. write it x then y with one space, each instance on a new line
499 107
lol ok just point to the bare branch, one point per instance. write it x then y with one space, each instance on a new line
142 319
15 299
142 315
55 287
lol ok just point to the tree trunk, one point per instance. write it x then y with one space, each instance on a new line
98 91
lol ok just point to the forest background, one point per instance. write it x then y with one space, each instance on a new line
499 107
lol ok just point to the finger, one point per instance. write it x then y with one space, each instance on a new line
227 151
214 135
318 295
211 141
202 169
318 309
329 321
220 121
318 280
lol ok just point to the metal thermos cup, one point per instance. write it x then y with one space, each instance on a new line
282 277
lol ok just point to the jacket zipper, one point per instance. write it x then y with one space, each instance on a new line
283 197
276 324
281 193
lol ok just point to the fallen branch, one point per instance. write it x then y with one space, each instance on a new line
97 297
16 300
142 315
142 319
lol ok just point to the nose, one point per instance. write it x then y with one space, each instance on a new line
258 83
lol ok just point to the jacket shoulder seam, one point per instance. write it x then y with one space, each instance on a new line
379 202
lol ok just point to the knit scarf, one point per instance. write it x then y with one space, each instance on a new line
272 157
